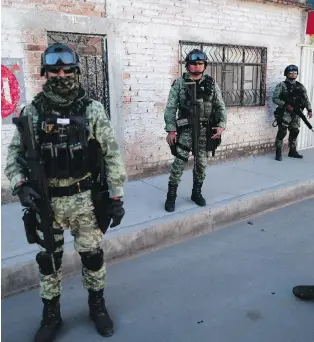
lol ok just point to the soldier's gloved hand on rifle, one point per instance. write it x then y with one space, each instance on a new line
309 114
116 211
218 133
289 108
171 138
27 196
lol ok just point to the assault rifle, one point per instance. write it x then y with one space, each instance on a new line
194 119
295 101
297 111
34 170
211 144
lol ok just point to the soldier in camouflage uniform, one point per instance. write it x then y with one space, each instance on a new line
211 107
70 187
285 115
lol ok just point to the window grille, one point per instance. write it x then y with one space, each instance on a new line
240 71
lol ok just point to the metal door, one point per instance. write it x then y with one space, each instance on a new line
306 137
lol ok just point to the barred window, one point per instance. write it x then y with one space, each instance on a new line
240 71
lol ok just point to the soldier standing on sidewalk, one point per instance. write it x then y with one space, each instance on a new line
63 148
211 109
290 96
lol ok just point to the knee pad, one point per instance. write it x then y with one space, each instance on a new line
45 264
93 260
294 133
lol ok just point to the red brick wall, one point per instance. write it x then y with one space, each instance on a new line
82 7
35 42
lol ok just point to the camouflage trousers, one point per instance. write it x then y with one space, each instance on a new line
74 212
184 146
291 124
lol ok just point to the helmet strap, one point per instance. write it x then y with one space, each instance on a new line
196 73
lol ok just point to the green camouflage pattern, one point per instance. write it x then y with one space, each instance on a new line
62 89
214 106
74 213
185 139
280 91
289 121
100 129
293 128
177 97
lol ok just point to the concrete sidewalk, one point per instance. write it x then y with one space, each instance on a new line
233 190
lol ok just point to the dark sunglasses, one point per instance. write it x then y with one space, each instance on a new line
196 63
66 70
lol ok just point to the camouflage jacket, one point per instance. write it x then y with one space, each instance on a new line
177 98
100 129
282 91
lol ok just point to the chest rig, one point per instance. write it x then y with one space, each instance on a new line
63 141
204 92
295 93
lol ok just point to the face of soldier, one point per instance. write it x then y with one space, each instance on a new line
292 75
196 68
60 72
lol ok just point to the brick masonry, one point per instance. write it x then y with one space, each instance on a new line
143 44
151 62
77 7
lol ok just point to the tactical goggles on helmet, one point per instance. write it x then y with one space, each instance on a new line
62 58
197 56
292 69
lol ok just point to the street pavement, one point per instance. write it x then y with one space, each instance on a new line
230 285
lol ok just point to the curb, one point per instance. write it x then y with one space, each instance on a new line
130 241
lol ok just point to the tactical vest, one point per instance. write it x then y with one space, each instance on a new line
204 92
63 142
295 93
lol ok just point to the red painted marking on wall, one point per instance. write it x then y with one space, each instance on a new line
10 90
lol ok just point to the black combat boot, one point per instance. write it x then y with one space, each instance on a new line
278 154
197 194
99 314
171 197
51 321
294 154
304 292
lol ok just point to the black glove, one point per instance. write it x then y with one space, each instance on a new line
27 196
116 212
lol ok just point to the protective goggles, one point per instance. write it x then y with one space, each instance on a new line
197 56
292 69
65 58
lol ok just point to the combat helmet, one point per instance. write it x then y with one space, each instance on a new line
196 55
290 68
59 55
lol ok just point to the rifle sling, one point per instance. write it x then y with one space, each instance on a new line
183 147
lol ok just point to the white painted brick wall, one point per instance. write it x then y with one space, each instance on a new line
143 56
151 41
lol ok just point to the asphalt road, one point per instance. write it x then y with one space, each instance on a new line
233 285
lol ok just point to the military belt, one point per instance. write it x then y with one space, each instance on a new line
184 123
81 186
